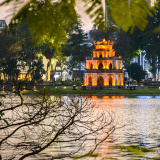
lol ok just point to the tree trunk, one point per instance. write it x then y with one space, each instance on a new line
49 73
61 73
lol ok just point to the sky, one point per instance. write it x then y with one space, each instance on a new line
6 13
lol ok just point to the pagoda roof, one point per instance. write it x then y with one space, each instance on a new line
104 71
103 42
104 58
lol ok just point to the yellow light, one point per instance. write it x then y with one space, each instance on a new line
159 87
13 87
65 87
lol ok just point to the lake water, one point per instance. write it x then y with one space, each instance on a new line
140 118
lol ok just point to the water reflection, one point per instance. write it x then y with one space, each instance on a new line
140 118
140 115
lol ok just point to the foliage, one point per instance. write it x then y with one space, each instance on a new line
28 50
48 21
136 72
150 41
64 91
136 150
36 70
124 14
126 46
11 68
86 155
6 43
61 63
77 47
98 35
44 17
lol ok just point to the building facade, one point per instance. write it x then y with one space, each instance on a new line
104 68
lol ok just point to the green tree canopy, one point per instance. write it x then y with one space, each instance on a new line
77 47
50 21
136 72
150 41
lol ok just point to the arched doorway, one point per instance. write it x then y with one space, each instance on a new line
100 56
110 81
110 66
90 81
91 66
100 81
100 67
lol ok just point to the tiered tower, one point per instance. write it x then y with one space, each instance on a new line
103 69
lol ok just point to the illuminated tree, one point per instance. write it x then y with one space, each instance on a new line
36 70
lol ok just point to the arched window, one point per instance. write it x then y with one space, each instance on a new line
91 66
100 67
110 66
100 81
110 81
90 81
100 56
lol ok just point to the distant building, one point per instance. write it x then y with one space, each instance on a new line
104 68
2 25
142 61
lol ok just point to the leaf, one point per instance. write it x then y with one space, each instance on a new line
124 14
2 95
6 121
157 29
48 22
86 155
136 150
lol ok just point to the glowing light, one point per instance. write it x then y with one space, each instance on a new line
106 97
106 50
65 87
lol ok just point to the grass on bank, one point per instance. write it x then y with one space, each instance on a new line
105 92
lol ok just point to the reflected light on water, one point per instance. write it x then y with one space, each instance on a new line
140 119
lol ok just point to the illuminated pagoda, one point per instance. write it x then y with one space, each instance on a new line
103 69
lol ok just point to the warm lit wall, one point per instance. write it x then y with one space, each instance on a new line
121 79
104 48
120 64
117 79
